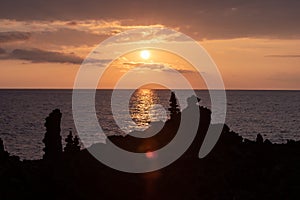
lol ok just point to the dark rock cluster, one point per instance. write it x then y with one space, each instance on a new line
236 168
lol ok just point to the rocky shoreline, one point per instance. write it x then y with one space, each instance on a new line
236 168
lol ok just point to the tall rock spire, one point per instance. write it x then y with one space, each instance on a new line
52 139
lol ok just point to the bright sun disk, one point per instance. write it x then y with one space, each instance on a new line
145 54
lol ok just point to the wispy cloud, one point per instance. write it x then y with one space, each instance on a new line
97 62
158 67
41 56
133 64
101 27
13 36
284 56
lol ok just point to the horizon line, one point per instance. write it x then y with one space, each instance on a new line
230 89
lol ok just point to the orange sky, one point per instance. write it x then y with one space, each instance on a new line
253 44
243 63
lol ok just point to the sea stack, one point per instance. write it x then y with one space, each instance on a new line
52 139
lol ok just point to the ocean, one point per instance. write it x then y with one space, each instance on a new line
274 114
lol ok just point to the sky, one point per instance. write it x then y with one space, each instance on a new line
255 44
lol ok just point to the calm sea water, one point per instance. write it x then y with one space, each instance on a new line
274 114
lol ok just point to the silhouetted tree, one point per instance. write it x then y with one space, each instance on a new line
52 139
174 107
72 145
69 142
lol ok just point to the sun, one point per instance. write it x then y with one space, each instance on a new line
145 54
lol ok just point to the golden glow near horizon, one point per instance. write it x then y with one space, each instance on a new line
160 64
145 54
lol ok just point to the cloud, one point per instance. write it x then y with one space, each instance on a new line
197 18
2 51
63 33
160 67
149 34
41 56
97 62
133 64
13 36
186 71
284 56
68 37
99 27
145 65
152 66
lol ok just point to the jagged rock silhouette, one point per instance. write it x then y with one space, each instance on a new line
3 154
236 168
52 139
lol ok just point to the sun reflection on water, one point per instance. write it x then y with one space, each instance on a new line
142 107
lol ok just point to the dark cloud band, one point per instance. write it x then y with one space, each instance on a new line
13 36
197 18
41 56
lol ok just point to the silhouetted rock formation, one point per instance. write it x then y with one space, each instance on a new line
235 169
170 129
189 115
229 137
292 142
267 142
3 154
259 139
52 139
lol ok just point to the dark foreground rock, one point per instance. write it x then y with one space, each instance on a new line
235 169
